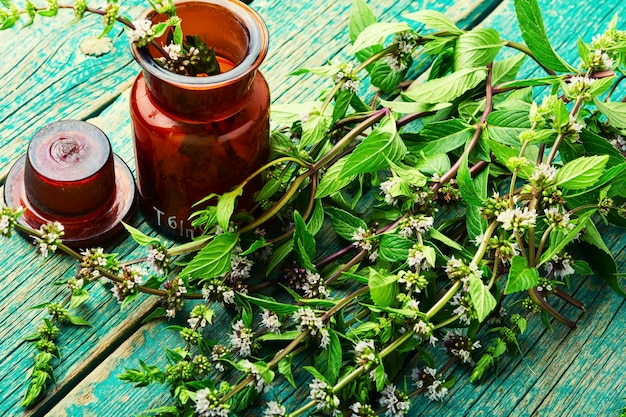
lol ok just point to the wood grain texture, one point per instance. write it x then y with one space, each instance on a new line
563 372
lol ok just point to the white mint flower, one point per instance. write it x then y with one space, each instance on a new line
619 142
517 219
208 404
259 383
325 399
361 239
395 403
387 188
270 320
561 266
559 219
241 338
275 410
143 32
544 174
396 64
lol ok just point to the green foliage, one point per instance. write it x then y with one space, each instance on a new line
381 222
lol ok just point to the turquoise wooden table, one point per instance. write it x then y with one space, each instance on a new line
44 77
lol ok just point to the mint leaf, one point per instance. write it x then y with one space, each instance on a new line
344 223
435 20
600 258
382 144
361 16
446 89
333 179
376 33
284 367
476 48
582 172
383 288
226 207
393 248
314 129
535 36
139 237
521 277
214 259
481 298
615 112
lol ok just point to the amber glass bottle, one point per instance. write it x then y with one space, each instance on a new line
200 135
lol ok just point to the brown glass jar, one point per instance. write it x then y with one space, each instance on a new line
200 135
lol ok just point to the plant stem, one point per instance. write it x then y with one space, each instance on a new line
523 48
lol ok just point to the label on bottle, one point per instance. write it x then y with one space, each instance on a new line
175 225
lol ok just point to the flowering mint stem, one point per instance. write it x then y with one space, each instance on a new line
559 138
472 143
105 272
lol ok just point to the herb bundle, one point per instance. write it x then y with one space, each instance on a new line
443 212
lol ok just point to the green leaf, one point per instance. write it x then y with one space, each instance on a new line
597 145
256 245
582 172
271 305
282 337
615 112
448 88
314 129
435 20
330 358
380 377
226 207
507 69
304 242
520 276
385 78
553 250
376 33
393 248
503 153
601 259
344 223
334 179
535 36
482 300
468 190
383 288
361 16
325 71
279 254
600 85
139 237
78 321
408 173
451 243
317 374
317 218
442 137
214 259
158 313
285 368
406 107
505 126
79 296
382 144
476 224
476 48
342 103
